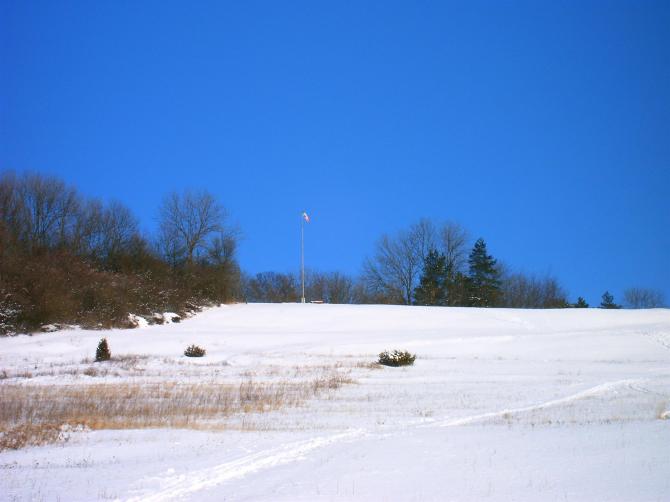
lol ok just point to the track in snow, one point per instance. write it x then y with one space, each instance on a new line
598 389
185 484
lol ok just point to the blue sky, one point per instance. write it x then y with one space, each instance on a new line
543 127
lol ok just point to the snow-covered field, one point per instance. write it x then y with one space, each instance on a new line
500 405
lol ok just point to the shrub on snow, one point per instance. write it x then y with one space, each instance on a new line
194 351
396 358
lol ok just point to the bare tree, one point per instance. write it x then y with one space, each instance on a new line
643 298
88 228
10 204
187 221
331 287
316 286
9 212
272 287
223 265
104 233
48 211
170 246
422 237
522 291
454 246
119 228
222 249
393 272
340 288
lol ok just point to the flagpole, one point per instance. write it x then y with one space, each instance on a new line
302 255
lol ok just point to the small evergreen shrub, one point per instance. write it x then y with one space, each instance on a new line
102 353
194 351
396 358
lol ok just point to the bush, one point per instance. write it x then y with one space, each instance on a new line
396 358
102 353
194 351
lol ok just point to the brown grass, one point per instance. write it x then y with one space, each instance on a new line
28 434
368 365
31 413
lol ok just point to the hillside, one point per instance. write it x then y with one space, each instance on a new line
286 405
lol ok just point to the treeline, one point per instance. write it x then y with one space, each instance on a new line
432 264
65 258
436 264
69 259
276 287
426 264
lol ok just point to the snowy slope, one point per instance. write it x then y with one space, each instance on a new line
500 404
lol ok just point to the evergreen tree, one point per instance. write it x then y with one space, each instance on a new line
458 288
102 353
581 304
432 284
455 287
608 302
484 277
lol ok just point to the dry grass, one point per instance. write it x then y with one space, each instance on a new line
28 434
33 414
368 365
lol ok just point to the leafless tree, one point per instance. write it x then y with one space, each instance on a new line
224 269
87 230
393 272
187 222
453 240
119 228
10 205
47 211
422 237
9 211
331 287
643 298
316 286
523 291
272 287
340 288
222 249
104 233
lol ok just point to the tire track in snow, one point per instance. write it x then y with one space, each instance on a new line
185 484
598 389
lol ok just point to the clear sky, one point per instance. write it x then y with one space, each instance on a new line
543 127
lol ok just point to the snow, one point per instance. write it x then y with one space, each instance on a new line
500 404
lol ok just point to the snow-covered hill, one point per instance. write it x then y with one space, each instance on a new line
500 404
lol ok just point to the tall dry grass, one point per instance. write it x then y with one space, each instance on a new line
32 414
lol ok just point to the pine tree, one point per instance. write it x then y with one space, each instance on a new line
102 353
458 289
608 302
484 277
432 284
581 304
